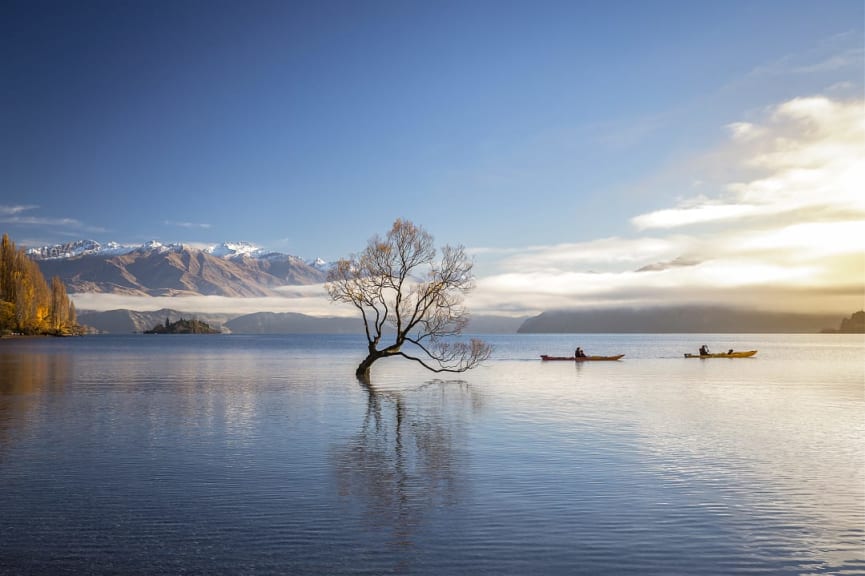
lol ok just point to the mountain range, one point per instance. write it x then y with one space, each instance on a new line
244 270
128 321
155 269
690 319
676 319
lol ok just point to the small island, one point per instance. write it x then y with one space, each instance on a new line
183 327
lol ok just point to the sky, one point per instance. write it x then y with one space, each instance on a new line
587 154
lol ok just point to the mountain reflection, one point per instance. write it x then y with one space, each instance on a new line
404 460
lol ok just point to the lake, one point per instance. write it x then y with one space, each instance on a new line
264 455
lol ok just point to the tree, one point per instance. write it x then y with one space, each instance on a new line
7 271
59 311
27 304
398 282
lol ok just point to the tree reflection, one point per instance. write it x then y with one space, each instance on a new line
24 374
24 380
404 459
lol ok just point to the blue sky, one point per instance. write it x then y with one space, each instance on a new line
519 129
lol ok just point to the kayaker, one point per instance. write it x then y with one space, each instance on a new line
704 350
730 351
578 353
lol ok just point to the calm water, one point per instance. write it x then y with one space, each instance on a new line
264 455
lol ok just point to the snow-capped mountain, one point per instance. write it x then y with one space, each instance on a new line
78 248
320 264
156 269
235 249
223 250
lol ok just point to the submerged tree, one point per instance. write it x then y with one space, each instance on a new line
411 298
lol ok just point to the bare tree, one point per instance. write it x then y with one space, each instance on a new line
399 283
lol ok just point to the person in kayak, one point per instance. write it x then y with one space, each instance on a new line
578 353
704 350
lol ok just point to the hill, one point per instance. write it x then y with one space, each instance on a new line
855 324
494 325
645 321
129 321
292 323
183 326
680 319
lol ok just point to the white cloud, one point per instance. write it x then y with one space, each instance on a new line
785 230
192 225
7 210
596 255
845 59
745 131
14 215
808 156
40 221
311 300
710 211
779 224
838 52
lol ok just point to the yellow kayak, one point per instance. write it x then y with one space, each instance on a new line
747 354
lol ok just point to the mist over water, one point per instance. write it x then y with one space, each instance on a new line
263 454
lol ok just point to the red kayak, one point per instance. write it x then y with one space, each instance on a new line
546 358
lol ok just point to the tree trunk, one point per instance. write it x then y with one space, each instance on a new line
362 371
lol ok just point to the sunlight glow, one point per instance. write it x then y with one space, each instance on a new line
785 229
809 155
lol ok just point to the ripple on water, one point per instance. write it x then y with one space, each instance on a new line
252 459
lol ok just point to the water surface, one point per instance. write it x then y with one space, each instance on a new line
264 455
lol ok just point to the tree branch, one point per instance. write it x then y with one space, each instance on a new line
386 284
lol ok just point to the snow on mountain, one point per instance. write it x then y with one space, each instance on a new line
320 264
78 248
225 250
158 247
235 249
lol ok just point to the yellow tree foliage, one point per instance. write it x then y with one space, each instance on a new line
27 304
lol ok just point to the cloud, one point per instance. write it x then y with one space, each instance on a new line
41 221
37 221
13 215
779 225
6 210
675 263
595 255
709 211
845 59
192 225
807 156
730 282
782 228
838 52
311 300
745 131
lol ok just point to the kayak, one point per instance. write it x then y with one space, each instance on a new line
747 354
546 358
